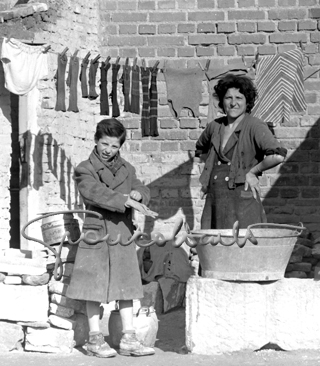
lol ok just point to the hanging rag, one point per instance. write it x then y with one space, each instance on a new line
83 78
125 80
145 114
104 101
72 82
113 95
23 65
184 90
92 79
279 82
135 90
153 116
60 83
213 76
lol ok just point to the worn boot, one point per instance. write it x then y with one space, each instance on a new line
98 347
131 346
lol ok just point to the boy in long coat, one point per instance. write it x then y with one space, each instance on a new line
102 272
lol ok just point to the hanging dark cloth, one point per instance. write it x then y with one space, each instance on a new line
83 78
145 114
104 101
92 79
153 116
113 95
72 82
60 84
125 79
135 90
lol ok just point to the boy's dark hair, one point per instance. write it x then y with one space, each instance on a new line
111 127
243 83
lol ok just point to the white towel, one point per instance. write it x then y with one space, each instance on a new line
23 65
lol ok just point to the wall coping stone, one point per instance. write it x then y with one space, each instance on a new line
23 10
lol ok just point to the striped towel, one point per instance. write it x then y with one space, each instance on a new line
279 82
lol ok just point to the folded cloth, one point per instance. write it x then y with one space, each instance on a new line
184 89
279 82
23 65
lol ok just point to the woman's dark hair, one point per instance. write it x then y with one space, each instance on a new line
243 83
111 127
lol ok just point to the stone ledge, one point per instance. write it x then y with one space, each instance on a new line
23 10
229 316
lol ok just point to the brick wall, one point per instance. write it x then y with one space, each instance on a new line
184 33
181 33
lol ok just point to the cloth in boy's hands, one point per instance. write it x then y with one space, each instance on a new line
141 208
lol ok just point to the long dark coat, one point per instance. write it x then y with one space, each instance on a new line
101 272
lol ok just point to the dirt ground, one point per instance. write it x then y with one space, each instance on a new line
170 351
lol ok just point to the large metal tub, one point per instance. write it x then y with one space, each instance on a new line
238 257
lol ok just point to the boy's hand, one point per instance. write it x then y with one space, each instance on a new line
140 207
135 195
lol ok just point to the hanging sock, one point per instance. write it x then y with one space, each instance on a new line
60 83
184 90
72 82
135 90
92 79
279 82
104 101
145 114
23 65
153 116
113 95
126 87
83 78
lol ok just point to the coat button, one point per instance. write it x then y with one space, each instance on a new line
229 163
219 162
226 179
215 177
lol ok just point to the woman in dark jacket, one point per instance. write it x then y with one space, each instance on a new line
103 273
239 148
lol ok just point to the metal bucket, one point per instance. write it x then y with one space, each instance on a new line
54 228
264 261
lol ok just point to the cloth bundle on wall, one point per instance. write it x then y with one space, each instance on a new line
24 65
279 82
184 89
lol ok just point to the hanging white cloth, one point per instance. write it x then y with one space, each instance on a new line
23 65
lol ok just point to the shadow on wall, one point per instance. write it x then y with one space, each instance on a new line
172 191
57 164
295 195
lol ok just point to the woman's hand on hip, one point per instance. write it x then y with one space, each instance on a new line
252 181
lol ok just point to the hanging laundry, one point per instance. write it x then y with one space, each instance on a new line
145 114
83 77
72 82
125 79
279 82
153 117
184 90
104 101
135 90
92 79
60 82
213 76
114 94
23 65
